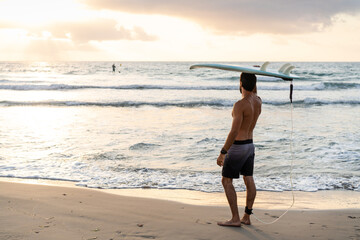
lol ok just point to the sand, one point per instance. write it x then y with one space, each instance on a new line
35 211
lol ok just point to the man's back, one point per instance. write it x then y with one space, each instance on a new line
250 107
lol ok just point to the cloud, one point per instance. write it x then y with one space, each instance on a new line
242 16
85 31
54 41
94 30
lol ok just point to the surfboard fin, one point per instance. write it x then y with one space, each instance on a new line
283 67
264 66
288 70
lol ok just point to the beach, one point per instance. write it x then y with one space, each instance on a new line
42 211
141 119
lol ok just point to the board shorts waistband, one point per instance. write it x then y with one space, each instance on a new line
242 142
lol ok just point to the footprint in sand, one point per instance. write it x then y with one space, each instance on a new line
138 236
202 222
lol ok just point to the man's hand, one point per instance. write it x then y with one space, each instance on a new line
220 160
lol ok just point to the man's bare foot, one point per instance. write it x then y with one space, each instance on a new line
230 223
246 220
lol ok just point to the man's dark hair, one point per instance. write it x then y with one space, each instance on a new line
248 81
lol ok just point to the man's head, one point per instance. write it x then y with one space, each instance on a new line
247 81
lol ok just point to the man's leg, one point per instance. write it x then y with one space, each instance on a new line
232 199
250 197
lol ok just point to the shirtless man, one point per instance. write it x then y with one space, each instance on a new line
237 155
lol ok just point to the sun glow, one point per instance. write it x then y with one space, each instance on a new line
74 30
41 129
38 12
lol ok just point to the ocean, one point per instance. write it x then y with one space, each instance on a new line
160 125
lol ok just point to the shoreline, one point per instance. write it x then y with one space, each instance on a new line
41 211
320 200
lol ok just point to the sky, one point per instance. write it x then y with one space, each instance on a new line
182 30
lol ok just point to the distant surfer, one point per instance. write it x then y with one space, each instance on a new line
237 155
113 67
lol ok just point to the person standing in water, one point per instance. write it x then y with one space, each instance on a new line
113 67
237 155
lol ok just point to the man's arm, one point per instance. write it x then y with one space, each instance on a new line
235 128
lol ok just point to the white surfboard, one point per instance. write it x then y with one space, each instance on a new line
283 72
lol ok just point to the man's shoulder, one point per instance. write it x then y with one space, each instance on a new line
240 104
243 103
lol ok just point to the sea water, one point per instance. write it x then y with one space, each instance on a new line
161 125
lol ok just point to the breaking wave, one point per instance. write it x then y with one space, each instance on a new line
185 104
61 87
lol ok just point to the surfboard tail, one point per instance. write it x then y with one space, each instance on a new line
284 67
288 70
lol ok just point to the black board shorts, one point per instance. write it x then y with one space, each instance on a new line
239 159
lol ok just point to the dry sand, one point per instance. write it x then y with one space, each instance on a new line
34 211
